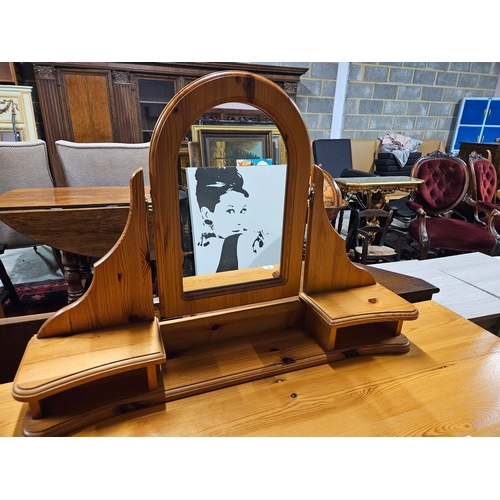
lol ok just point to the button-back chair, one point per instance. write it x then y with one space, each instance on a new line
23 164
482 189
446 184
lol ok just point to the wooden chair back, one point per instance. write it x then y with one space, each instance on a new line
371 230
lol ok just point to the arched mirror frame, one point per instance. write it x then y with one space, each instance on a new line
181 112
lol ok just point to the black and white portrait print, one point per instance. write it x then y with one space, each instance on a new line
236 216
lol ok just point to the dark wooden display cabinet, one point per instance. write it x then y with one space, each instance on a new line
120 102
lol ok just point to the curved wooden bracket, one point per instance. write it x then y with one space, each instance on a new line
345 305
109 332
121 291
327 266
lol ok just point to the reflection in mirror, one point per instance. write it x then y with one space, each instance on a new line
235 179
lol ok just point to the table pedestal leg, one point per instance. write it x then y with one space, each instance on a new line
376 199
72 275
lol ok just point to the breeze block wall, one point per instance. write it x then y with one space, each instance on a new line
416 99
419 99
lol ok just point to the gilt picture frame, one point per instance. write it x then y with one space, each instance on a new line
223 145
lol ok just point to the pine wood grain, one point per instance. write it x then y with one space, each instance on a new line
327 266
340 296
95 338
183 110
85 221
63 197
83 231
52 364
447 385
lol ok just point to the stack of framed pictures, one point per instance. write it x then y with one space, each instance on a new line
224 145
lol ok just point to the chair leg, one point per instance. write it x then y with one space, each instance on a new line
7 284
57 256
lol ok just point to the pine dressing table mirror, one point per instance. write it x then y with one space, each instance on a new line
214 330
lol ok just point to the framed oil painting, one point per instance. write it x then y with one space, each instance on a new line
222 146
236 216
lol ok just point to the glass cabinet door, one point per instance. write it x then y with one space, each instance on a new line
153 96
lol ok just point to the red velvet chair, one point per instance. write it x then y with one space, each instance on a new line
446 185
483 187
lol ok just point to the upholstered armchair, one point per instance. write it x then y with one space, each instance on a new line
100 164
23 164
482 189
446 185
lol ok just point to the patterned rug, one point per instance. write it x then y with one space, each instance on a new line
38 297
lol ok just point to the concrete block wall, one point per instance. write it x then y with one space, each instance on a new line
416 99
420 100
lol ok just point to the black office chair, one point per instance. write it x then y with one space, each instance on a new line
335 156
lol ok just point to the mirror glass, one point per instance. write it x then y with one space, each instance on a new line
232 182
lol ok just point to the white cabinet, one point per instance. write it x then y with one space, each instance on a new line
478 120
16 102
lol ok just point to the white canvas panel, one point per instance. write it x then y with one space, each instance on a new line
236 216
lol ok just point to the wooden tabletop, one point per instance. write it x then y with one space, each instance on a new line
467 282
378 183
81 220
447 385
64 197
